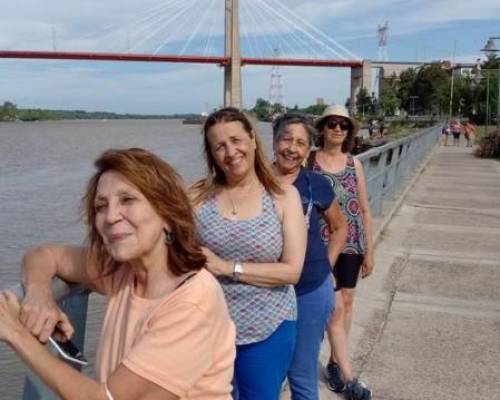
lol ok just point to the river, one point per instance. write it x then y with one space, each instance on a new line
43 170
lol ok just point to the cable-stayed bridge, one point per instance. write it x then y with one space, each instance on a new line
243 32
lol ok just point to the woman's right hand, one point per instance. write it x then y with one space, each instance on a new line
41 315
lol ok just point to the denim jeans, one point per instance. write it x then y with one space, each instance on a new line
314 311
261 367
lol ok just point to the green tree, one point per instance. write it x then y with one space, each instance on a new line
363 101
432 86
406 87
261 109
8 111
388 101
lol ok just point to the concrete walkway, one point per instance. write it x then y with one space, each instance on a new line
427 323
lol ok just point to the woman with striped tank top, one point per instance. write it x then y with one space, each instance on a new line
254 238
337 131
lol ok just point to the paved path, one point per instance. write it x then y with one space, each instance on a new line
427 324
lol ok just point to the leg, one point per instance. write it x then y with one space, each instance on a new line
314 310
347 299
337 338
261 367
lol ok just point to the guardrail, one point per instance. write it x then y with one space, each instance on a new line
73 300
387 169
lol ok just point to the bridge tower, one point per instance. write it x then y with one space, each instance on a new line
232 72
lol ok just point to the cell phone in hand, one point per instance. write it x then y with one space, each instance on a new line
68 351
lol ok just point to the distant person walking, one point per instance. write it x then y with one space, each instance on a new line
455 128
336 134
445 132
468 133
381 128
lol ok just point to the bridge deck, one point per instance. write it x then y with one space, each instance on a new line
426 325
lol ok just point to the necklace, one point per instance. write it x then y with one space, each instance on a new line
234 209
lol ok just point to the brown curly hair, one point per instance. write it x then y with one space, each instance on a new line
162 186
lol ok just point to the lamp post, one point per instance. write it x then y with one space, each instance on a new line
412 99
490 48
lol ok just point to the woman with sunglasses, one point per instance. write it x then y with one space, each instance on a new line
254 238
337 131
292 138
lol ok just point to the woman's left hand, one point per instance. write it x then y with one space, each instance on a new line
9 315
367 265
217 265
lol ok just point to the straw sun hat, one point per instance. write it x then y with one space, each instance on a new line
337 110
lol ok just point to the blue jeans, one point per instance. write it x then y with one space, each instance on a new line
261 367
314 311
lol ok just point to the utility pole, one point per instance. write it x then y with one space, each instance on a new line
232 72
276 85
452 80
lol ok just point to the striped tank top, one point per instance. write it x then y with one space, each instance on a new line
256 311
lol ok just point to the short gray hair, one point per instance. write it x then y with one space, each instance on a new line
281 124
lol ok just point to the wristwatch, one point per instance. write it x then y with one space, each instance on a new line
237 270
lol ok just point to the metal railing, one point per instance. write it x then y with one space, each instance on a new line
387 169
73 300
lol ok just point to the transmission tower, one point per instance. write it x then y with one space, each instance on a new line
276 86
382 33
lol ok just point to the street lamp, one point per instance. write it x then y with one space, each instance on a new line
490 48
412 99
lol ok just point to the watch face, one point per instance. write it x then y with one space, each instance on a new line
238 267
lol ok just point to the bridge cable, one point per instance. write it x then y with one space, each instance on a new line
289 21
193 4
158 21
316 30
184 5
197 27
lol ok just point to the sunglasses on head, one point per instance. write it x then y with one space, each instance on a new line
332 124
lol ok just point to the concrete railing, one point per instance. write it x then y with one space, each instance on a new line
387 169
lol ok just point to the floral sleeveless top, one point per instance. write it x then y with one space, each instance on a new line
256 311
344 184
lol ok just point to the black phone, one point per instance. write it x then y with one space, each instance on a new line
68 351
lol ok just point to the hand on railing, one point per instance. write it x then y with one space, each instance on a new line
9 316
41 315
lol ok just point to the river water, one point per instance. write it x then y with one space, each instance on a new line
43 170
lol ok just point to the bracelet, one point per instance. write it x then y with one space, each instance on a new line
109 396
237 270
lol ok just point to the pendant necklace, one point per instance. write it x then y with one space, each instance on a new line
234 210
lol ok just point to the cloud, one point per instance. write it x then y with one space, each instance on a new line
196 27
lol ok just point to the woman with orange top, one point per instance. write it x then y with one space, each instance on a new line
166 332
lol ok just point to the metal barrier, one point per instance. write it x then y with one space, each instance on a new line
73 300
386 170
388 167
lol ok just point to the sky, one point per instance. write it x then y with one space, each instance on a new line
419 30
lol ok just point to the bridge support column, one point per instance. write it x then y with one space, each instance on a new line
360 78
232 72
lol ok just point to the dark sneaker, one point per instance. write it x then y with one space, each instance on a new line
357 390
334 381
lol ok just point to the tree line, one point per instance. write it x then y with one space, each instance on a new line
427 91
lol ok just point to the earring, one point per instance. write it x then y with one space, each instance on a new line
169 237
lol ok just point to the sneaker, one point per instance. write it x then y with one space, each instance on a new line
334 381
357 390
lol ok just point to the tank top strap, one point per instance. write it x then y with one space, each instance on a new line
350 161
267 202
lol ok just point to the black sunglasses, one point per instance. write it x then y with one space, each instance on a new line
344 125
